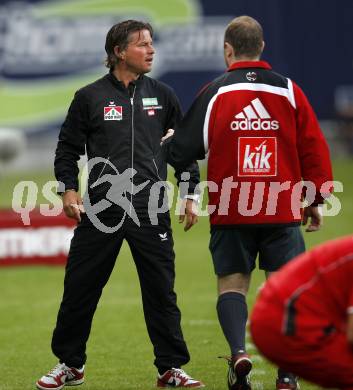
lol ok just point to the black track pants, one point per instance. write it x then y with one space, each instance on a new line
91 260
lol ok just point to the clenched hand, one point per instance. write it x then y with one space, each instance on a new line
312 213
73 206
188 213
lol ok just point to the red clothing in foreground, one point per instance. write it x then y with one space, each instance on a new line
300 316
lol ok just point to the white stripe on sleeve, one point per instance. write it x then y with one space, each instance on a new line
206 123
291 93
259 88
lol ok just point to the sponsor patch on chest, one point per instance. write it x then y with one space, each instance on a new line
257 156
151 104
113 112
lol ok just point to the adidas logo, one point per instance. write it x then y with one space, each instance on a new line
254 117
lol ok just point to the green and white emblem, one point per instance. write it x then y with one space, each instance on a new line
150 102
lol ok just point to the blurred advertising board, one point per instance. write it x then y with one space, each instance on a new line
44 241
51 48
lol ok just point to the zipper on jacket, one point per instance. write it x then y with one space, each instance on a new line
132 145
157 170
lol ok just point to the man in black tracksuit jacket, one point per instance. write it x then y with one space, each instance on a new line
119 123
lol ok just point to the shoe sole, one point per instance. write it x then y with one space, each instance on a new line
297 387
242 368
38 386
180 387
72 383
75 383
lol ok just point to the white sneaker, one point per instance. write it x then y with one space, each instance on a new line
176 377
60 376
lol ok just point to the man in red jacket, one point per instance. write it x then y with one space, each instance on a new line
303 317
262 139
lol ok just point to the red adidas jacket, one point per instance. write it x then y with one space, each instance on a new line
262 139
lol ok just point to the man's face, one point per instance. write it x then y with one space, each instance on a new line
138 55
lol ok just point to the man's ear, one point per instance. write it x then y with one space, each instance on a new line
228 53
119 53
263 46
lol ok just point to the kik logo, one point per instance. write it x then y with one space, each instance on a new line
257 156
257 159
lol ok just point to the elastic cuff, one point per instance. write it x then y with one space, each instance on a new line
163 370
194 197
68 190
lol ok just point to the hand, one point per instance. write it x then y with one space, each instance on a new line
315 216
73 206
188 209
169 134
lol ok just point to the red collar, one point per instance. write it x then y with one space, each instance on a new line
249 64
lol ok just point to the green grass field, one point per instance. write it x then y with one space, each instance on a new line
119 352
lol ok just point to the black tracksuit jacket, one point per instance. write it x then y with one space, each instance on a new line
124 126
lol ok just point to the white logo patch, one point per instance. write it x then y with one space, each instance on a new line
150 101
163 236
251 76
151 104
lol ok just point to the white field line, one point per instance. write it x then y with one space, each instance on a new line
202 322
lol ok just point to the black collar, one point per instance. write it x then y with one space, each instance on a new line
121 85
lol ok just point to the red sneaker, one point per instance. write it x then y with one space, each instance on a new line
177 377
61 376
